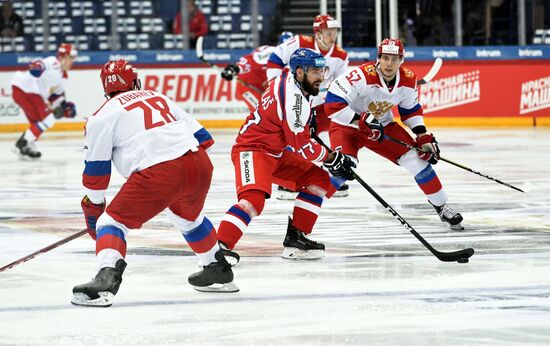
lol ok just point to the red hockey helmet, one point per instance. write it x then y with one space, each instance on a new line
119 76
66 49
325 21
391 46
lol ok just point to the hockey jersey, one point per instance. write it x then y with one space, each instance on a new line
280 119
253 66
363 89
336 60
135 130
47 78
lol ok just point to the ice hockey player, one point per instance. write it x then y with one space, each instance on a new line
326 30
281 120
40 92
251 72
162 151
371 91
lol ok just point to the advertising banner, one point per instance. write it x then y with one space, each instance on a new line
466 93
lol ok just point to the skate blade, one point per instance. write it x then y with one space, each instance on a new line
339 193
229 287
457 227
297 254
23 157
105 300
286 195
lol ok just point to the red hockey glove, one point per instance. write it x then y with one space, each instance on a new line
91 213
430 150
374 130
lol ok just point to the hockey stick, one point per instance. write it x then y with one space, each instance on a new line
46 249
200 55
432 72
460 256
453 163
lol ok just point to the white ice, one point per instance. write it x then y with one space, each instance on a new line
376 285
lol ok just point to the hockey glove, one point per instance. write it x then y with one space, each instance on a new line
230 71
430 150
374 130
69 109
340 165
91 213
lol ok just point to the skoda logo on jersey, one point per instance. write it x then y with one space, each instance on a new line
247 168
297 108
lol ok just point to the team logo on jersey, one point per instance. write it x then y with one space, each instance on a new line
379 108
297 108
408 73
247 168
370 69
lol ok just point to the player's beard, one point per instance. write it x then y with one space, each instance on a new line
310 88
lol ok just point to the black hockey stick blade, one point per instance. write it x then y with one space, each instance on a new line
432 72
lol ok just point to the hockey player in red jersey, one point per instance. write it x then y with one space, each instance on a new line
326 30
280 120
251 73
371 91
162 151
40 92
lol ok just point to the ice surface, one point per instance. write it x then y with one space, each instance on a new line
377 284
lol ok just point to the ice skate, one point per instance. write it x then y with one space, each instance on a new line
297 246
215 277
26 149
343 191
285 194
230 256
449 216
100 291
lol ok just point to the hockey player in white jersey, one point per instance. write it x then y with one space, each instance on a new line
161 150
40 92
371 91
326 30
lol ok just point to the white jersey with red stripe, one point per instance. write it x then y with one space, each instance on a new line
136 130
363 89
48 80
336 60
280 120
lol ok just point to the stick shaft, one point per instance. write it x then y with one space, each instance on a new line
442 256
46 249
454 164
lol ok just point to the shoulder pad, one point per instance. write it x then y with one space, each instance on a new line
306 42
339 52
407 77
369 71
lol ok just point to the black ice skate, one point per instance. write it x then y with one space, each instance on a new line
343 191
230 256
215 277
449 216
101 290
285 194
25 149
298 246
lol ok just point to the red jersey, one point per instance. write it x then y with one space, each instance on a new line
280 120
253 66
